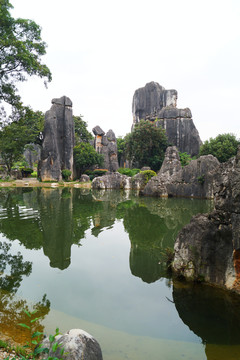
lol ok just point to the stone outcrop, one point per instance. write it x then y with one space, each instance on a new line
209 247
193 180
58 141
77 345
106 144
154 103
32 154
112 181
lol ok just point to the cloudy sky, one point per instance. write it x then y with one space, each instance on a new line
101 51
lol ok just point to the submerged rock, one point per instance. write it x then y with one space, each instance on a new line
77 345
209 247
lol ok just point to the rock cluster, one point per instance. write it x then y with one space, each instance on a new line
154 103
209 247
58 141
193 180
107 146
112 181
77 345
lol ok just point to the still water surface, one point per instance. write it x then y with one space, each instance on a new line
96 260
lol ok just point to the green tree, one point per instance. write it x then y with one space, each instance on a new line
223 147
81 132
24 129
121 144
86 156
21 49
146 145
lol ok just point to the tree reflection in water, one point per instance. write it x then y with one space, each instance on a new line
13 269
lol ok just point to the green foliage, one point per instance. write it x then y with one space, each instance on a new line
34 174
35 347
128 172
121 144
21 51
201 179
66 174
26 172
86 156
148 174
185 158
24 129
146 145
223 147
81 132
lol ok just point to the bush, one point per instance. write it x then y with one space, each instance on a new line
148 174
34 174
66 174
26 172
128 172
185 158
100 172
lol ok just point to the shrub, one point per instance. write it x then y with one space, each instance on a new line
185 158
66 174
148 174
26 172
34 174
128 172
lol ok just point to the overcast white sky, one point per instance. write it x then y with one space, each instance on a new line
101 51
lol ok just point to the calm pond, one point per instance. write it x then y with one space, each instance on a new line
96 260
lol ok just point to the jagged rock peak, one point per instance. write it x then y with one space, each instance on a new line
98 131
64 100
150 99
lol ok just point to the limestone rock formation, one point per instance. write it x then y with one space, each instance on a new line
84 178
153 102
58 140
107 146
112 181
209 247
32 154
196 179
77 344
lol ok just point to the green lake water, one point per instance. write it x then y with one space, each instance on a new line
96 260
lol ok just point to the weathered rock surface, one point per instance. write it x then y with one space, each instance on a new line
112 181
209 247
32 154
77 345
107 146
58 140
84 178
153 102
193 180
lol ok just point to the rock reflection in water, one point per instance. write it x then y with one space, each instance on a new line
211 313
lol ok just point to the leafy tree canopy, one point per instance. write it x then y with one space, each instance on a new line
121 143
21 48
81 132
223 147
146 145
86 156
23 129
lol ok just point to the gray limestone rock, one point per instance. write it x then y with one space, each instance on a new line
153 102
107 146
84 178
197 179
58 140
77 345
209 247
98 131
32 154
112 181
